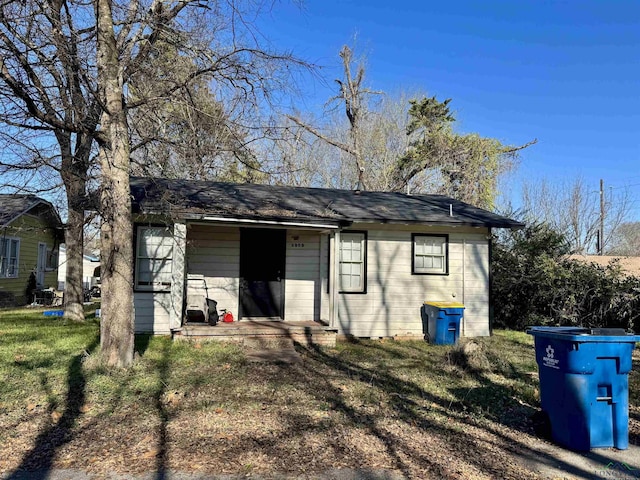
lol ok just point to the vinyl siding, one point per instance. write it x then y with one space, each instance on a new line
391 305
31 231
214 252
152 312
324 278
302 276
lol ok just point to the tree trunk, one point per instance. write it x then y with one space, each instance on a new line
74 242
116 332
74 174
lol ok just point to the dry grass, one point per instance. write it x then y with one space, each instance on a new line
423 411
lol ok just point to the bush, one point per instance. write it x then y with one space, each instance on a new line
535 283
31 287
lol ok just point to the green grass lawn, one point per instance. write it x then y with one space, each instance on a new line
405 406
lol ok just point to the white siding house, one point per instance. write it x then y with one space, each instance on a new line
362 264
89 265
395 294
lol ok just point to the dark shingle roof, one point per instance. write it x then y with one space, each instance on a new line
13 206
195 199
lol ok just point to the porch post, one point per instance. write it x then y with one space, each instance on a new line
178 274
334 276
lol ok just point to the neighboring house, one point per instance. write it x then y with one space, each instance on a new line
628 265
89 265
360 262
30 234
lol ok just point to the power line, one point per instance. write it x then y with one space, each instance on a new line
625 186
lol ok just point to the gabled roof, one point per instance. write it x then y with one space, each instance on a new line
14 206
199 199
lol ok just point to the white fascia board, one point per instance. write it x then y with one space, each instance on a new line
269 222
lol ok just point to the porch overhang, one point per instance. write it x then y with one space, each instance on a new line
275 222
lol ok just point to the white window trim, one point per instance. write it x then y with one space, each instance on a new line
5 258
363 262
163 287
445 255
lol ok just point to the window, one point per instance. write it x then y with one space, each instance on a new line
9 250
154 252
52 259
430 254
353 255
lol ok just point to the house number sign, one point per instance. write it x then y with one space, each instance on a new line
297 245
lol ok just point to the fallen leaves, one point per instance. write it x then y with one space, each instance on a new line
173 398
153 453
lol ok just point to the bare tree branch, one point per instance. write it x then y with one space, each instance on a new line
321 136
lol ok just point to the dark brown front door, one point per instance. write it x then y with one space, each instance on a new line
262 258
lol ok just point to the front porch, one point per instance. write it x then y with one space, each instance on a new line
260 333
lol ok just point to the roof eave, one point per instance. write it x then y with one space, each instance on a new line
317 222
442 223
323 221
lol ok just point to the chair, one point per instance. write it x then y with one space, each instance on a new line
58 298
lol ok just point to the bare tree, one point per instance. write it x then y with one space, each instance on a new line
354 96
299 157
573 209
116 235
398 145
189 133
55 105
625 240
241 72
49 112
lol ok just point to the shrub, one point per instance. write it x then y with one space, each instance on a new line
31 287
535 283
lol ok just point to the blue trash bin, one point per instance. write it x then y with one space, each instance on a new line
584 384
443 321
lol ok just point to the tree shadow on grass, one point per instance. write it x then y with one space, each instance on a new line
162 456
142 343
410 404
38 462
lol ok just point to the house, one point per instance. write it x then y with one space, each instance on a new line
90 269
360 262
629 265
30 234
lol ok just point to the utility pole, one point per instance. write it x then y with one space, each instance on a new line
601 233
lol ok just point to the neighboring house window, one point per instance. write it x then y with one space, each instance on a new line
52 259
430 254
353 262
9 252
154 258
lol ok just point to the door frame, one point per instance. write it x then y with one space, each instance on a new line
41 265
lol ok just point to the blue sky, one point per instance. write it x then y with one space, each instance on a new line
564 72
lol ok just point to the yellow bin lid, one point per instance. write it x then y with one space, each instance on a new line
445 304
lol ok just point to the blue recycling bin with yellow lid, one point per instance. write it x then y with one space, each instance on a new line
443 321
584 384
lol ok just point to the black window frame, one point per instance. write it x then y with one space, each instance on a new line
413 253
